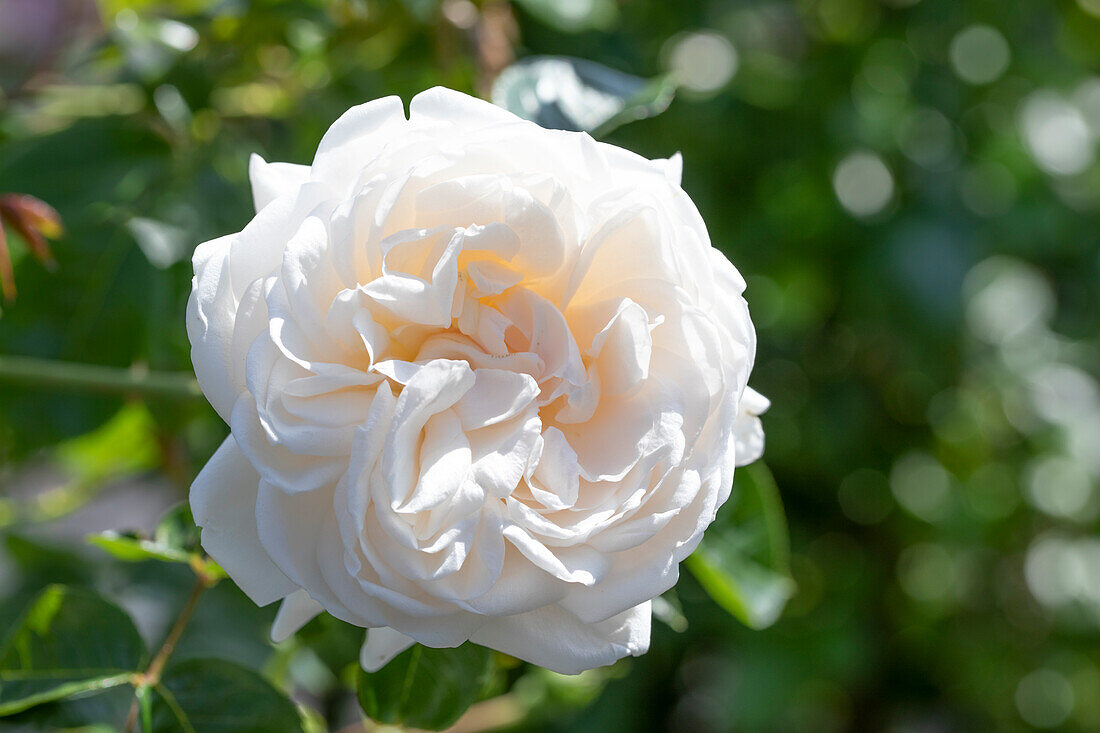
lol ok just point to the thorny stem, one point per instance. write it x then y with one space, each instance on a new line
151 675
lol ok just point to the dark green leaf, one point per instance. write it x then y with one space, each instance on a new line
41 564
424 687
216 696
336 643
67 642
574 94
743 562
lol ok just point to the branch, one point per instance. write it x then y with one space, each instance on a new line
151 676
73 375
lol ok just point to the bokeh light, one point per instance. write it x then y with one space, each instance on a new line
921 485
703 62
1057 134
979 54
863 184
1044 698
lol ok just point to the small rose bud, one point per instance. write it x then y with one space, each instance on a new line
35 220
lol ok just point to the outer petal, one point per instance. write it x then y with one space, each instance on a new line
355 138
295 612
382 645
226 311
748 432
440 104
552 637
272 180
211 311
673 167
223 500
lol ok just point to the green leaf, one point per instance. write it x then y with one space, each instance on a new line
177 529
422 10
39 565
68 642
743 562
130 547
312 720
668 610
424 687
162 244
753 594
124 445
176 539
564 93
216 696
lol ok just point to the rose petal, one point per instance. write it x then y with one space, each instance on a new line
223 501
496 396
554 638
748 431
272 180
440 105
296 611
382 644
355 138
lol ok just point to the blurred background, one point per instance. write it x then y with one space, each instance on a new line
909 186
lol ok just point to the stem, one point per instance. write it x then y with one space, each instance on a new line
152 673
73 375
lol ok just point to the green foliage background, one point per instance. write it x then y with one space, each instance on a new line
932 364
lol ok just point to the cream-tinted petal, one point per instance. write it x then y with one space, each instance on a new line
381 645
272 180
296 611
552 637
223 501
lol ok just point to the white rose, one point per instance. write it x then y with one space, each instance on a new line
486 382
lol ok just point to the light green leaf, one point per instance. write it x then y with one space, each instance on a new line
753 594
124 445
68 642
177 529
574 94
743 562
424 687
162 244
312 721
668 610
216 696
130 547
176 539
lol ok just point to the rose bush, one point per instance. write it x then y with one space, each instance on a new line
486 381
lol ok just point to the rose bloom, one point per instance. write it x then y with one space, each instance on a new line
486 381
